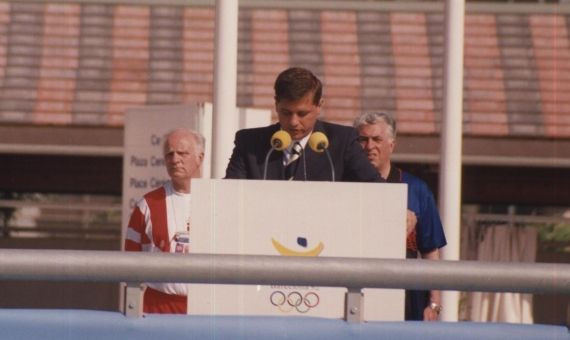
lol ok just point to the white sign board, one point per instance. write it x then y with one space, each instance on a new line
287 217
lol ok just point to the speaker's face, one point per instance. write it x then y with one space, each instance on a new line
298 117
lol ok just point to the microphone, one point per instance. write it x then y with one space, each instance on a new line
319 143
279 141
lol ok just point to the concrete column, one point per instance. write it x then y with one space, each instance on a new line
225 119
451 144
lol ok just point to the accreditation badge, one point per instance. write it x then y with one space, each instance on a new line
181 242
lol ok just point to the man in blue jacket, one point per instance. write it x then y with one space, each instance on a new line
377 136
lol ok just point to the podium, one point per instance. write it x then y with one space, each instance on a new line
364 220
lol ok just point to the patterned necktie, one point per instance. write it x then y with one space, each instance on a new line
291 167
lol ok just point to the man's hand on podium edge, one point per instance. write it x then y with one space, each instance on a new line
411 221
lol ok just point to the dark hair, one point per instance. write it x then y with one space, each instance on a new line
373 118
295 82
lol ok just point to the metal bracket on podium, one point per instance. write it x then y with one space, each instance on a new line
354 305
133 299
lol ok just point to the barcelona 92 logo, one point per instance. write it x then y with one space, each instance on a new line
294 300
285 251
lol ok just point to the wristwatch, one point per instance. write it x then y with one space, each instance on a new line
436 307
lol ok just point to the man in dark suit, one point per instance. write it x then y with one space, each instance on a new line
298 103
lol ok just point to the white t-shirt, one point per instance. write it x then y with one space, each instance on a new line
178 217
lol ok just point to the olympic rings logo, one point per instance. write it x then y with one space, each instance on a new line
294 300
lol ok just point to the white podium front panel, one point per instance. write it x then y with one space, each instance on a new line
292 217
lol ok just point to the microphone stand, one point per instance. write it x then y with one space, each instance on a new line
319 143
266 163
304 164
330 163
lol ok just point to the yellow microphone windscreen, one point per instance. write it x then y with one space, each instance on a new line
280 140
318 141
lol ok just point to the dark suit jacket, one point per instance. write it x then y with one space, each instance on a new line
350 161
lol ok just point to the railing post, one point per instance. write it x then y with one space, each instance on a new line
354 305
133 300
